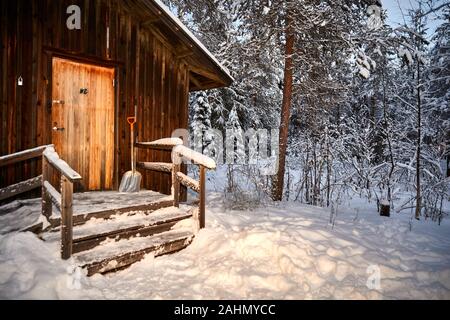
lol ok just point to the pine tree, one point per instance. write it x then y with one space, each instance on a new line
438 100
201 122
235 143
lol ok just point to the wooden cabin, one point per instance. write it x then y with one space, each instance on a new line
74 88
66 93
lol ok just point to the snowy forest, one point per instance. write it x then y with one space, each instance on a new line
361 106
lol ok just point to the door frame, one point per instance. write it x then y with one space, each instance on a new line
116 65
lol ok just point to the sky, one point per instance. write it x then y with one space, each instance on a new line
395 8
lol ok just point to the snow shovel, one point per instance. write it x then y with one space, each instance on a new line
131 180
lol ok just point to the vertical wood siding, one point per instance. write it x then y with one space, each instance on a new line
148 73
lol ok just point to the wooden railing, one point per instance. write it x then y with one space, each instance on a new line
181 153
64 200
27 185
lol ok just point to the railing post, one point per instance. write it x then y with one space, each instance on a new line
66 218
46 200
202 197
176 184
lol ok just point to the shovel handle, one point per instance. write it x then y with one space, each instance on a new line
131 120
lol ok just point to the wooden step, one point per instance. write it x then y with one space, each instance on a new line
160 221
118 255
81 217
125 226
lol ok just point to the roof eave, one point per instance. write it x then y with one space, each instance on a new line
188 34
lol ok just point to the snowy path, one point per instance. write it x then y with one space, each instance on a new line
285 252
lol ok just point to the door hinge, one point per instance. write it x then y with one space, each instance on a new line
114 82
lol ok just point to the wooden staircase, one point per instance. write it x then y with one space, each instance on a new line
111 240
107 231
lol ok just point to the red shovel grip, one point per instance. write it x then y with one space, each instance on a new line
131 120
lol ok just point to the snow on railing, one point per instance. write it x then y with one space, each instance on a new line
161 144
61 165
63 200
180 152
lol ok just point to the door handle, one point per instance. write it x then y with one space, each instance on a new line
58 129
58 101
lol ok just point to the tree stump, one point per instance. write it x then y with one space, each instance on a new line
385 208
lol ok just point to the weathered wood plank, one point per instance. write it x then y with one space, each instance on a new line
66 218
162 144
87 243
176 185
156 166
82 218
202 205
46 201
60 165
20 188
194 156
22 155
188 181
53 195
36 228
127 259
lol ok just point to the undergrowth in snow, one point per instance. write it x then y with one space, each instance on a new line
288 251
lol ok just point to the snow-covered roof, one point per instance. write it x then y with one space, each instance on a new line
192 37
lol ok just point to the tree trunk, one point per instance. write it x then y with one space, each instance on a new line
385 208
419 143
327 143
388 139
278 179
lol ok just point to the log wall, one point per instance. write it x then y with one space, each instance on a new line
148 73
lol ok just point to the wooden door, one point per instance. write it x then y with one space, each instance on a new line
83 120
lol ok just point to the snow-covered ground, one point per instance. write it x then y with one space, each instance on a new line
288 251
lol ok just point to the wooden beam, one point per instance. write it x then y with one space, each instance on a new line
205 86
20 188
35 228
22 155
183 52
60 165
156 166
176 185
188 182
66 218
53 196
143 145
149 22
207 74
173 142
195 81
192 155
46 199
83 217
126 259
202 205
90 242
